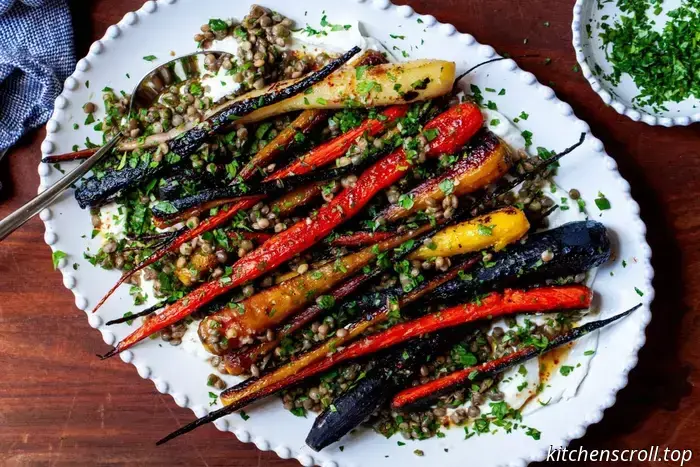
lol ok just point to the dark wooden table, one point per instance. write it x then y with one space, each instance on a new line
59 405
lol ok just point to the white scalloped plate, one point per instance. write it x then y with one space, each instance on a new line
590 55
164 26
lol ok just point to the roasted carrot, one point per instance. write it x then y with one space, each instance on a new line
428 392
544 299
455 127
71 156
238 324
326 355
485 160
331 150
361 238
303 124
239 361
223 216
492 230
287 203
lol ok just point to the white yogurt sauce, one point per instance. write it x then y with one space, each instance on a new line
112 222
503 128
191 343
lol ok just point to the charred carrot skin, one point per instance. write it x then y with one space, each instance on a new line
424 394
368 394
486 159
331 150
456 126
71 156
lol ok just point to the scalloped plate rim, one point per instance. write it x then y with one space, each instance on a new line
305 457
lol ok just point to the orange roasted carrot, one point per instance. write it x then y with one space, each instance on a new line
486 159
326 356
331 150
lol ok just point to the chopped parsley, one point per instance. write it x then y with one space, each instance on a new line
565 370
57 256
664 63
485 230
602 202
406 201
150 58
126 315
326 302
447 186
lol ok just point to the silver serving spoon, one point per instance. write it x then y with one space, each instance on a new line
147 89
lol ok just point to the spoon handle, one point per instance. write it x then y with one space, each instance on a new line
48 196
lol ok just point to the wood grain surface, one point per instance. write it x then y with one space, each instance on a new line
59 405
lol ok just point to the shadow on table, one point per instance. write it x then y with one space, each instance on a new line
82 25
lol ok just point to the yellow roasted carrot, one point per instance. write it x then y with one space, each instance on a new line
494 230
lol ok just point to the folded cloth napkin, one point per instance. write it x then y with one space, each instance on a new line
36 56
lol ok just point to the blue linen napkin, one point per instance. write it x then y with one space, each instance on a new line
36 56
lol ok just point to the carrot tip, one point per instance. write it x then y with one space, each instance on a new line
109 354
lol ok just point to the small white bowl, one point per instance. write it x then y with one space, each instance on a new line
588 15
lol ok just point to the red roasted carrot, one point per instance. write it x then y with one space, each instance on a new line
455 127
361 238
433 389
544 299
258 237
331 150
